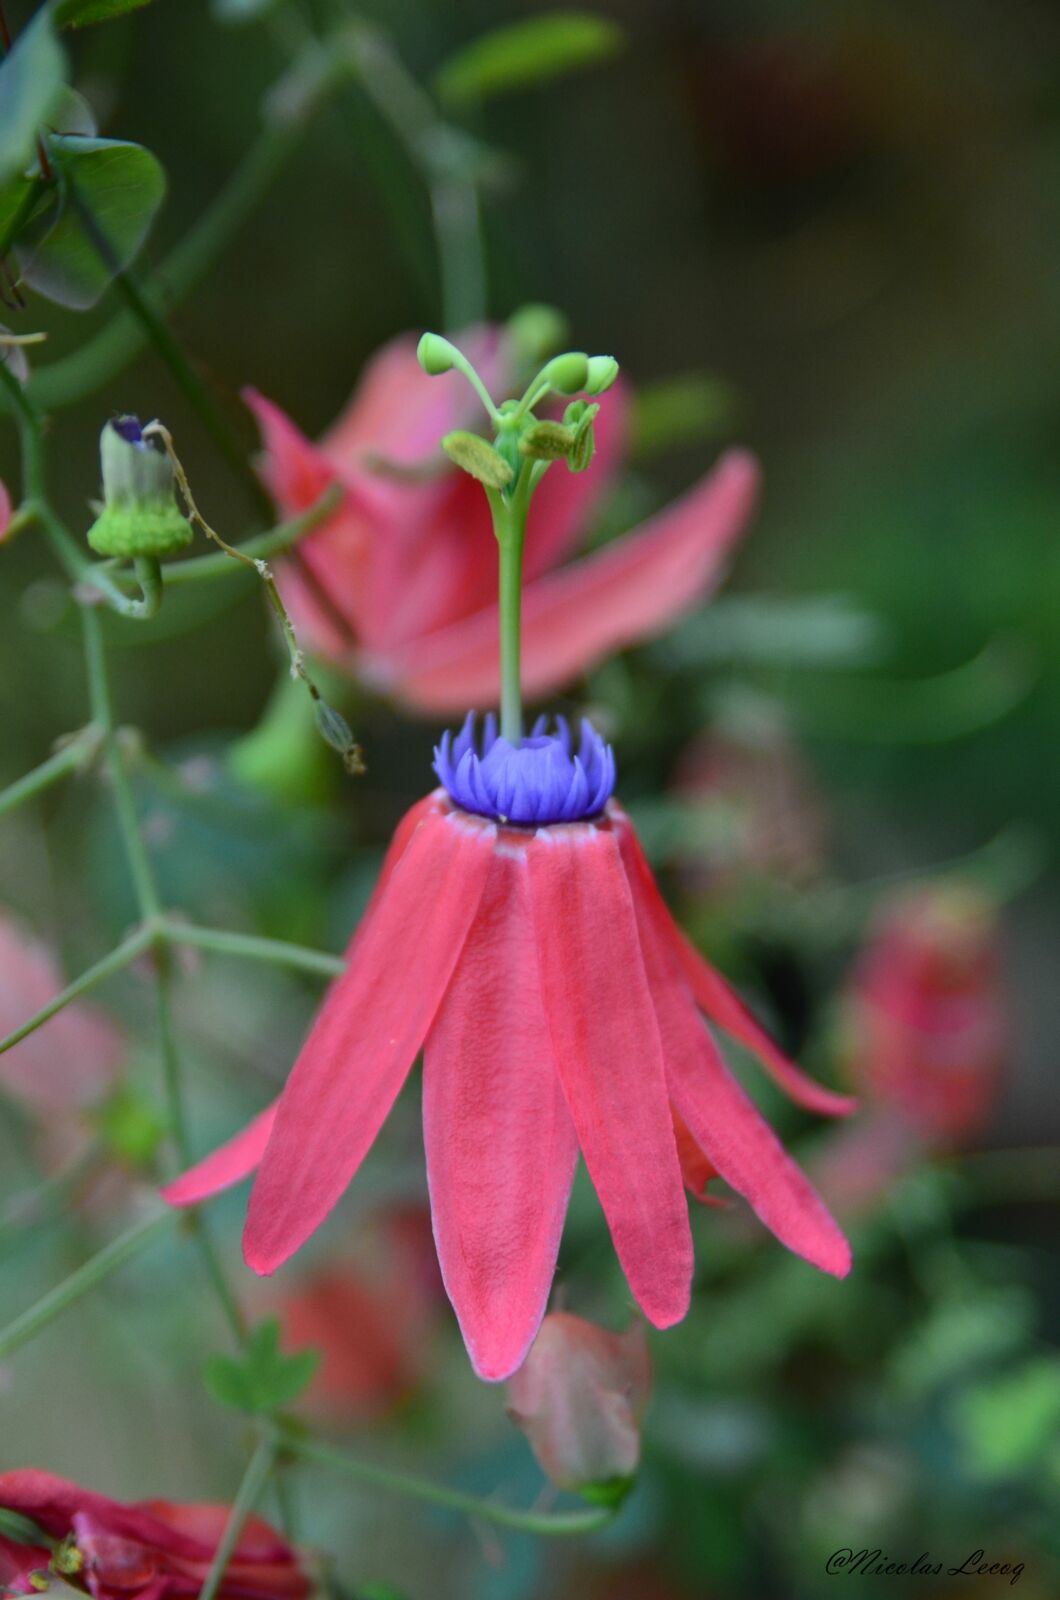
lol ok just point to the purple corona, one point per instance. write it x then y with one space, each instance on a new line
543 779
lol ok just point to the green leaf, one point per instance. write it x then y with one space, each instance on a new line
79 13
131 1126
109 192
31 81
263 1379
524 53
1007 1425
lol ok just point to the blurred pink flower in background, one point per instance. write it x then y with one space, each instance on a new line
924 1034
151 1550
372 1316
71 1062
926 1031
755 810
399 585
579 1397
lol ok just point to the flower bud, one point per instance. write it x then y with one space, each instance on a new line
477 457
578 1397
568 373
924 1012
140 516
436 355
603 370
535 330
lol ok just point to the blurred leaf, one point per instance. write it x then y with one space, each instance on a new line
131 1126
79 13
683 410
110 193
241 10
960 1333
31 80
776 631
20 200
262 1379
72 113
523 53
1009 1424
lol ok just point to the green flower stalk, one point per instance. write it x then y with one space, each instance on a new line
510 468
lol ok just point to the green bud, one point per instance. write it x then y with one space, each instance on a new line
603 370
547 441
535 331
568 373
140 516
436 355
475 456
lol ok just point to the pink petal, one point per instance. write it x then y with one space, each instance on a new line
397 411
606 1044
717 999
238 1158
367 1034
500 1143
720 1117
628 591
230 1163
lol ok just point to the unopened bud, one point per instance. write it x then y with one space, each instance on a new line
579 1397
140 516
436 355
603 370
547 441
535 331
568 373
477 457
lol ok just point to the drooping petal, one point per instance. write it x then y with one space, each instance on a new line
697 1171
607 1048
367 1034
714 995
230 1163
573 616
722 1120
500 1143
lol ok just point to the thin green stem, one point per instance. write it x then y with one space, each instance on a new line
263 545
247 1496
118 959
93 1272
436 151
73 756
509 525
253 948
539 1522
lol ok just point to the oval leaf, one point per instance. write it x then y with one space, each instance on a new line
31 81
524 53
108 196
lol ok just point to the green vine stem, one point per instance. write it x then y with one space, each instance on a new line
94 1271
247 1496
551 1524
73 755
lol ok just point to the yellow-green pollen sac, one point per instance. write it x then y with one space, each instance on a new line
140 516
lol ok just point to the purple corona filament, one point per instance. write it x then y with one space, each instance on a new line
542 780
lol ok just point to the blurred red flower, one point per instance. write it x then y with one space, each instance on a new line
151 1550
926 1030
399 585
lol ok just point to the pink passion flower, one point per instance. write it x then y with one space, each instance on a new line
558 1009
152 1550
396 586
